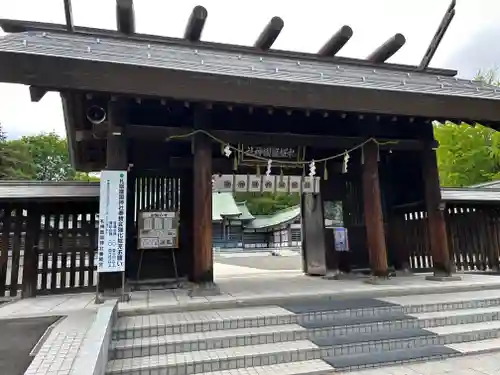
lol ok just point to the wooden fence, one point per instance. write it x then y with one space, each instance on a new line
473 238
47 248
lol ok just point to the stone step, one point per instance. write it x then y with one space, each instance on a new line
196 362
397 321
324 338
317 366
366 333
365 360
129 327
245 357
317 314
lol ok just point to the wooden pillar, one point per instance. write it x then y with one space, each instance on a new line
373 211
30 272
186 220
202 199
116 159
435 214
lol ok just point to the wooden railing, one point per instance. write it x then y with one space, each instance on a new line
473 237
47 248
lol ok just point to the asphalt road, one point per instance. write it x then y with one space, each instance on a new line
17 339
267 262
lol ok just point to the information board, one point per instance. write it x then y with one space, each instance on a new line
158 229
341 239
112 214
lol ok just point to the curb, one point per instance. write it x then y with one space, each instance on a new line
92 357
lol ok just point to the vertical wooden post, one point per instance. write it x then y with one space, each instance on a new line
116 159
4 245
30 272
186 219
202 199
435 214
373 211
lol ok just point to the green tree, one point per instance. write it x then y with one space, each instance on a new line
267 203
489 77
15 159
84 176
50 155
467 155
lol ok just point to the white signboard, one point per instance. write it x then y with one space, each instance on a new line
112 214
341 239
158 229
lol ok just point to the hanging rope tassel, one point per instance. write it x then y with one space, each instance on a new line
325 173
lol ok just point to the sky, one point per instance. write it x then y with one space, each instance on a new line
469 44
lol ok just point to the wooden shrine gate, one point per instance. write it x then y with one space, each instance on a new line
175 119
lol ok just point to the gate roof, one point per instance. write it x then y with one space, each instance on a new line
211 72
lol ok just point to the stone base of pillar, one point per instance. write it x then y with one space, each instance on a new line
377 280
338 275
205 290
440 277
403 273
108 296
332 275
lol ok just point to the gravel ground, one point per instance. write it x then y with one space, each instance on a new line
268 262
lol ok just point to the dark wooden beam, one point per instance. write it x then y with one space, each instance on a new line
270 33
37 93
31 251
116 159
435 214
196 23
263 139
92 76
16 26
388 49
336 42
68 13
125 16
373 211
438 37
202 200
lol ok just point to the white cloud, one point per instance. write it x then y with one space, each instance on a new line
308 24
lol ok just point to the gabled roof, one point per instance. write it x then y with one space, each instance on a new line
224 206
30 58
490 195
245 213
281 217
227 63
487 185
48 190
